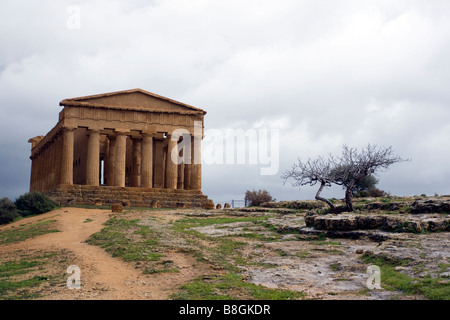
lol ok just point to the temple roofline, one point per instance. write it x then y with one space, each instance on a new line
76 101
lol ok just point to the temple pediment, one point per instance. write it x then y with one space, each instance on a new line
135 99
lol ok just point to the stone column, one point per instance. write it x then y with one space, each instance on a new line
171 167
66 173
147 161
136 163
33 173
196 167
58 157
93 158
187 176
111 160
180 184
158 164
120 159
189 160
106 162
46 168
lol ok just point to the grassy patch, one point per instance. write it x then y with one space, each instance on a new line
435 288
335 266
259 236
444 266
282 253
13 268
326 243
20 288
302 254
384 260
225 254
166 268
406 209
334 252
201 222
26 276
231 286
224 251
128 240
27 231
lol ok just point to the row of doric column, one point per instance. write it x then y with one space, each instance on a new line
45 165
176 176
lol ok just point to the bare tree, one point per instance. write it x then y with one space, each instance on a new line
354 166
312 172
348 170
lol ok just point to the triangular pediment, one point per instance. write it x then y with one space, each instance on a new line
135 98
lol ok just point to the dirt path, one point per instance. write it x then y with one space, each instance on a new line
102 276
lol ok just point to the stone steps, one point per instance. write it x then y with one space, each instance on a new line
128 196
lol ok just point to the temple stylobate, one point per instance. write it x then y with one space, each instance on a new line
119 147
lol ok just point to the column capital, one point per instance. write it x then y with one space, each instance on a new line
94 130
197 137
149 133
65 129
136 137
121 132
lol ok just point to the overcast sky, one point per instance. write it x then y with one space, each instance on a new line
323 73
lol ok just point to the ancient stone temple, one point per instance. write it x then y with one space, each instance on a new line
131 147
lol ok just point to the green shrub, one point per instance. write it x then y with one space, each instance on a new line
7 211
373 192
32 203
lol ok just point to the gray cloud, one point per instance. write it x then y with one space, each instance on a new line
324 72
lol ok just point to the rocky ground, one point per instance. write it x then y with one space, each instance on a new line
286 250
327 255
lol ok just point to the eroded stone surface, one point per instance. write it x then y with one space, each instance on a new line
325 267
388 222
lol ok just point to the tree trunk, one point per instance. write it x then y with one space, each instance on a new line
348 196
318 197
